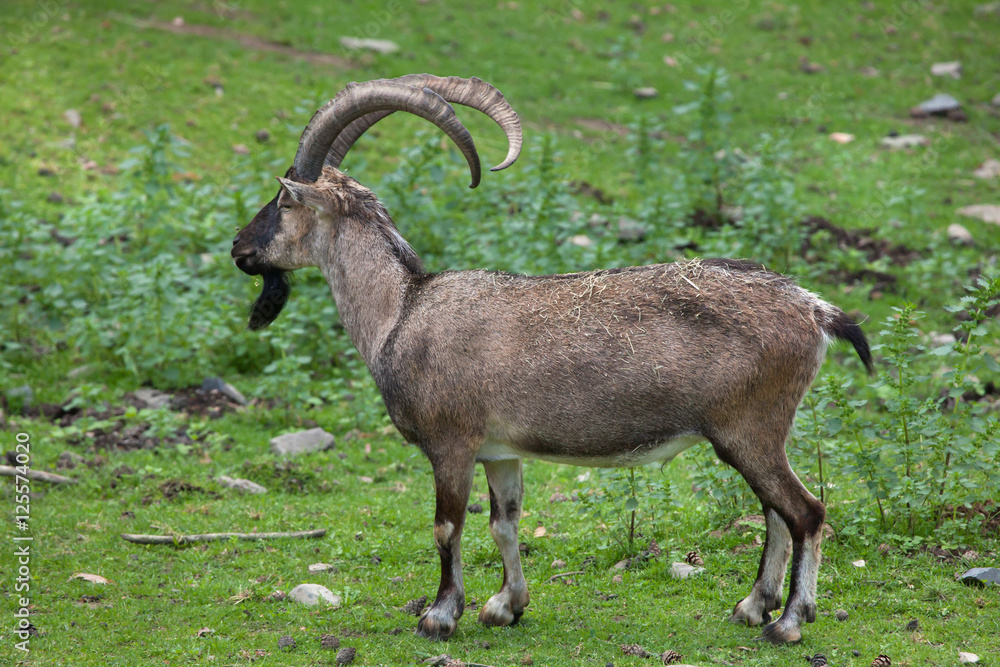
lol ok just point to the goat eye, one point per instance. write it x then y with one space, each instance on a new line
286 207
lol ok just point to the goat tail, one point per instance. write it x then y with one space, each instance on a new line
839 325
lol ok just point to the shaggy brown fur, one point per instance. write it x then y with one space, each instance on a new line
616 367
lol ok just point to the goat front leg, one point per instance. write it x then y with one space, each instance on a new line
453 471
506 492
766 593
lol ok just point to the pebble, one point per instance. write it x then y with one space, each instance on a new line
982 576
383 46
683 570
952 69
300 442
646 92
842 615
224 388
558 563
967 657
940 104
310 595
959 234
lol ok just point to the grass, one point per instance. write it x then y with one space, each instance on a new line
129 67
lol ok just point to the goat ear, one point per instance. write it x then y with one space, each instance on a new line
306 194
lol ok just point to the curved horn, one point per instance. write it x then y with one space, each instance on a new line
359 99
473 92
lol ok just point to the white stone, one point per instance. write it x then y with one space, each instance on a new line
244 485
683 570
952 69
320 567
311 594
967 657
646 92
153 398
985 212
858 563
581 240
959 234
988 169
842 137
905 141
378 45
300 442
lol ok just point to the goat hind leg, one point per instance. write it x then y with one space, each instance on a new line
766 593
453 482
506 492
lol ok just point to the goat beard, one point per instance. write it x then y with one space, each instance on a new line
273 296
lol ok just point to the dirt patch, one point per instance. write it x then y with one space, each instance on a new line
858 239
252 42
173 488
195 400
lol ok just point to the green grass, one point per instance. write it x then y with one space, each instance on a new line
567 77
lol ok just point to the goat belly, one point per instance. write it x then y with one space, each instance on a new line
606 454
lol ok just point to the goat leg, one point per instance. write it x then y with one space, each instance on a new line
453 472
506 492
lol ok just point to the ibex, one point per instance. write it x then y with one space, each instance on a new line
620 367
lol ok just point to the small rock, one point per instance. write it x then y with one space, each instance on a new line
319 567
971 555
617 579
984 212
952 69
383 46
988 169
939 105
905 141
310 595
475 508
263 136
415 607
581 240
286 642
621 565
842 137
967 657
346 656
244 485
330 642
858 563
959 234
645 93
982 576
558 563
78 371
224 388
153 398
241 149
630 230
841 615
313 440
72 117
23 394
558 497
683 570
69 460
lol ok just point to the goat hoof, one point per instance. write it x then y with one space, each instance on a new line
435 626
743 615
497 613
778 634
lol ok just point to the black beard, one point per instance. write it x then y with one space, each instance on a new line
274 295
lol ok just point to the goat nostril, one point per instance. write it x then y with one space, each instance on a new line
236 240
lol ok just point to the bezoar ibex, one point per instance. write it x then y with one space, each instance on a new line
620 367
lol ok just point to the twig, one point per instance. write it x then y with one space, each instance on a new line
213 537
50 477
565 574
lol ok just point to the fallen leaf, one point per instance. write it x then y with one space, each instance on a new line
967 657
984 212
669 61
842 137
205 631
92 578
540 531
366 480
905 141
858 563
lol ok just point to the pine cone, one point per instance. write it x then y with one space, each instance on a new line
670 657
694 559
881 661
286 642
818 660
415 607
654 549
635 649
345 656
329 642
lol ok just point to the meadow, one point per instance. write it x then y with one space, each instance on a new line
137 137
